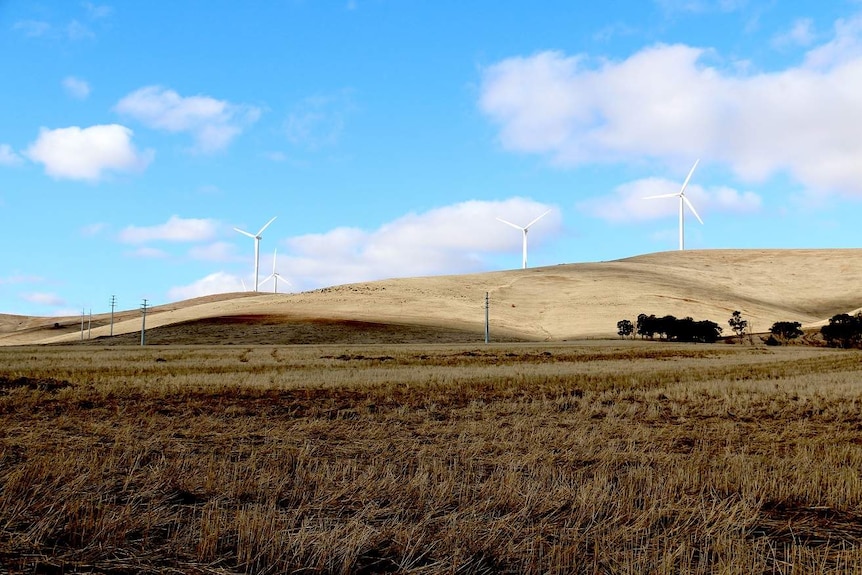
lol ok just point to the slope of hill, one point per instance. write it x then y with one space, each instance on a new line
557 302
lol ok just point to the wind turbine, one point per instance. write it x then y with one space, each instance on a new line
274 275
256 237
683 201
524 231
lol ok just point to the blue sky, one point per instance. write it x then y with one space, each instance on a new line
388 135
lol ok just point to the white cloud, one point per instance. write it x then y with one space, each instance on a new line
176 229
87 153
76 87
215 252
451 239
666 103
212 123
8 157
218 282
800 34
627 202
43 298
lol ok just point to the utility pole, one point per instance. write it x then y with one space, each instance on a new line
144 323
89 323
82 323
113 305
487 324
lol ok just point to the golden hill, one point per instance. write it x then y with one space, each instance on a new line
557 302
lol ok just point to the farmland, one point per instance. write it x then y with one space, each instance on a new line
596 456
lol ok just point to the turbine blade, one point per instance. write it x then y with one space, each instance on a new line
517 227
274 256
266 225
691 207
690 172
245 233
537 219
661 196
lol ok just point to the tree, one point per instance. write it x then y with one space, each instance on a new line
786 329
737 324
625 328
844 330
646 325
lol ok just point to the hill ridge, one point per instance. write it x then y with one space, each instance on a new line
558 302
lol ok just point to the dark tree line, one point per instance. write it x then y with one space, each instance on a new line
671 328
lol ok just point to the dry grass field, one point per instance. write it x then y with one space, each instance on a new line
593 457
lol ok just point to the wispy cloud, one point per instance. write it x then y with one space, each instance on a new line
32 28
319 121
92 230
147 252
88 154
8 157
18 278
218 282
76 87
43 298
212 123
215 252
800 34
627 204
176 229
97 11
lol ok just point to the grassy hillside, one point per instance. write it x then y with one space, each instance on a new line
550 303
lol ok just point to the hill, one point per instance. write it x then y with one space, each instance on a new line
550 303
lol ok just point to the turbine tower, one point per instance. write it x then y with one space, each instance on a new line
256 237
524 231
274 275
683 201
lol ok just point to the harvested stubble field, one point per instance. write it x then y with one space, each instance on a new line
596 457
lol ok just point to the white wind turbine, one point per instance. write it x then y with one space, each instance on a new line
524 231
683 201
274 275
256 237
